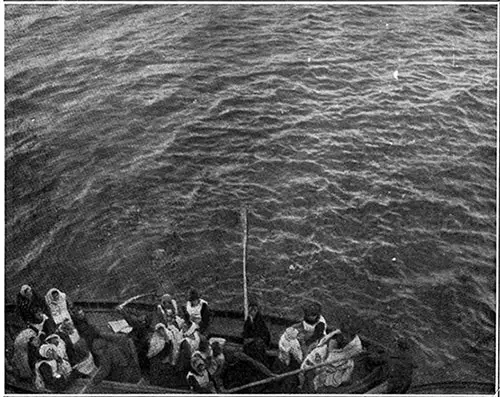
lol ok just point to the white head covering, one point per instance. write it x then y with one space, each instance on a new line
290 346
45 349
157 341
24 289
60 348
58 307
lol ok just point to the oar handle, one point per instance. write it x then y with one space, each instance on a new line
277 377
281 376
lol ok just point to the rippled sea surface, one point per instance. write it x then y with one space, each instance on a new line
361 138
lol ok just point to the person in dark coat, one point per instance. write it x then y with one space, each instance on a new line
256 335
29 302
34 356
42 324
141 326
86 330
117 361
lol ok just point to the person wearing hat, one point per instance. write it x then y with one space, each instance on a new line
42 324
198 378
28 303
312 328
197 311
52 372
256 335
166 303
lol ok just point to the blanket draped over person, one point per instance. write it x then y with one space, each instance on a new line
53 372
58 305
331 348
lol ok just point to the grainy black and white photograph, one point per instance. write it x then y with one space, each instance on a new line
235 198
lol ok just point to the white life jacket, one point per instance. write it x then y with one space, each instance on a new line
308 329
289 346
203 380
195 311
63 369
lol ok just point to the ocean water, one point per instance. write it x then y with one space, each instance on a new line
362 139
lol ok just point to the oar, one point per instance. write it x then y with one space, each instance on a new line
279 377
122 305
245 241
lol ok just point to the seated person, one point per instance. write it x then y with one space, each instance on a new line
312 328
52 372
217 366
42 324
289 359
117 361
34 345
336 349
197 311
198 378
256 335
62 347
79 354
59 305
166 303
140 324
161 356
28 303
86 330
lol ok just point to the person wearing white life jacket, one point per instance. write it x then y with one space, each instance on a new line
198 378
197 311
333 348
166 303
312 328
289 358
59 305
52 372
59 345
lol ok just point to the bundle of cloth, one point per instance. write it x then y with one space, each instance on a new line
334 349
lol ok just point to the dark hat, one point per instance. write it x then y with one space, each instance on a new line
312 309
252 302
193 294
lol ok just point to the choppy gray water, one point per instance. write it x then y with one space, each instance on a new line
135 134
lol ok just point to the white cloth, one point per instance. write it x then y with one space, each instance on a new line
61 346
341 367
289 346
158 341
195 311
